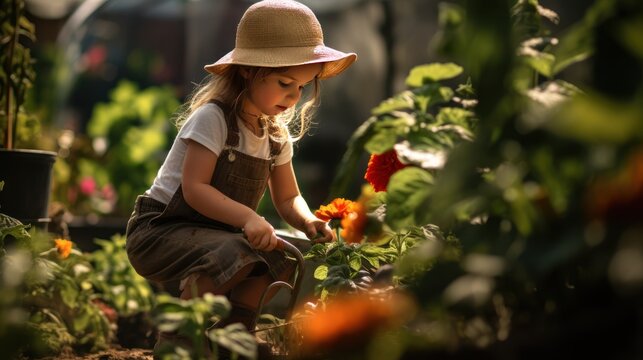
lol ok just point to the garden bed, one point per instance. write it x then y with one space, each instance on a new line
110 354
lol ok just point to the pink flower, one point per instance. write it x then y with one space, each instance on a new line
87 185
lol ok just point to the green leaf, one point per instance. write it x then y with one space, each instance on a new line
381 142
542 63
402 101
408 195
68 291
432 73
321 272
375 262
19 231
432 94
451 115
387 130
237 339
355 262
577 43
347 167
598 120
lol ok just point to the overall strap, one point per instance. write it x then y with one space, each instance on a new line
232 140
275 147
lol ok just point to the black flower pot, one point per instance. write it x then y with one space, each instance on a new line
27 184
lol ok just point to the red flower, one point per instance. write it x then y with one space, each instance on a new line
381 168
337 209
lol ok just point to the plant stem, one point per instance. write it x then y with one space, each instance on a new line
8 136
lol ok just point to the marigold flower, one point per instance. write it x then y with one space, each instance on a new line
64 247
337 209
380 169
354 224
349 321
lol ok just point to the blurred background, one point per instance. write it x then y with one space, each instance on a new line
526 243
111 73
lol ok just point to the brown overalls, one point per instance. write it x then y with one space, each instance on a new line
167 243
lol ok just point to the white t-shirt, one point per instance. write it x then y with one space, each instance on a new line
207 126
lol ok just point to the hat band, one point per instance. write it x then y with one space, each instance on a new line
284 56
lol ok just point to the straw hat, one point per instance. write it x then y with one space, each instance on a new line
277 33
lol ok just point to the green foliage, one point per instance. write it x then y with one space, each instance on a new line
236 338
115 279
422 125
131 135
16 74
15 333
349 267
539 187
46 302
189 319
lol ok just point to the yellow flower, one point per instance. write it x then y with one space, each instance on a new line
64 247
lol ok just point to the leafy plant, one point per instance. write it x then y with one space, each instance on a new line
421 126
349 264
136 131
190 318
17 72
129 135
527 187
116 281
49 288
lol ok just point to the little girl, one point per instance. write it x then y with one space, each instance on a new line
198 221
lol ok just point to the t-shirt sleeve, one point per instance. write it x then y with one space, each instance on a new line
206 126
285 155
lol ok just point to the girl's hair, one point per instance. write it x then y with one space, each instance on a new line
231 89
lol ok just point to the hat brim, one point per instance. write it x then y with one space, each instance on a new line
335 61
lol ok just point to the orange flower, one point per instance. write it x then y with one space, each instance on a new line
380 169
618 196
337 209
64 247
349 321
354 224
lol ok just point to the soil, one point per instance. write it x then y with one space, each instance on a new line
109 354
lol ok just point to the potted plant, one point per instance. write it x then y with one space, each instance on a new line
25 174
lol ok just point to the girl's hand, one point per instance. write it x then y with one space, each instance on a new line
260 234
318 231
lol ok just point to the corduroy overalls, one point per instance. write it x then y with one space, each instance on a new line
167 243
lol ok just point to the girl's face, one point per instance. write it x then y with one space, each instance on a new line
280 90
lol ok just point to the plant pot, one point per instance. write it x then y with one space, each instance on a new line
27 184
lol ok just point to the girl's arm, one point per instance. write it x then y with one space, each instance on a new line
292 207
198 168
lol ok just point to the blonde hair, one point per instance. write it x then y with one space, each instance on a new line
230 88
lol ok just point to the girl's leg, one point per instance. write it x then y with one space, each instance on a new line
243 292
203 284
248 292
246 296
